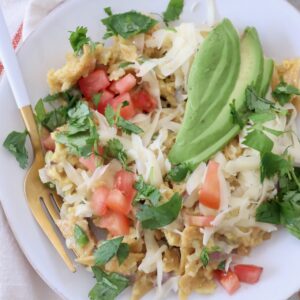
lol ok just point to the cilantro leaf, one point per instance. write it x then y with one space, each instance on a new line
221 265
173 10
108 286
58 116
271 164
273 131
81 134
80 236
284 92
109 115
108 11
268 212
257 140
152 217
128 127
125 64
262 117
78 38
204 256
115 149
96 99
179 172
127 24
205 252
236 117
107 250
256 103
146 191
122 253
15 144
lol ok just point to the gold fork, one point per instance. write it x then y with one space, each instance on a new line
35 191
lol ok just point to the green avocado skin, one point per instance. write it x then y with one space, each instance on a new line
194 145
211 80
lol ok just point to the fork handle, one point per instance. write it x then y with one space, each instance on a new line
12 68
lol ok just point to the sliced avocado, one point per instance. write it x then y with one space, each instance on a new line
222 130
211 81
267 76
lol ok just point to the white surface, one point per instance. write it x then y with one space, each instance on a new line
46 48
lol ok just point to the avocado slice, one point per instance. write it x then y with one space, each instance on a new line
211 81
267 76
202 146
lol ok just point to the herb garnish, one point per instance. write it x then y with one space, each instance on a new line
259 141
115 118
179 172
108 286
173 11
79 38
153 217
109 249
15 144
80 236
81 135
284 92
127 24
205 252
115 149
146 192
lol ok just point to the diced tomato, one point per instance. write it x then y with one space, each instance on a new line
209 194
201 221
48 143
90 162
248 273
228 280
123 85
127 112
115 223
93 83
124 181
98 201
143 101
104 100
117 202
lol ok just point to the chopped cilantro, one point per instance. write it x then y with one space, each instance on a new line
122 253
236 117
221 265
108 11
115 118
78 38
268 212
262 117
204 256
256 103
257 140
96 99
153 217
272 164
284 92
108 286
108 250
173 11
179 172
127 24
115 149
109 115
81 135
15 144
125 64
146 192
80 236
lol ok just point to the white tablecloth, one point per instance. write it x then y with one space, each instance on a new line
18 281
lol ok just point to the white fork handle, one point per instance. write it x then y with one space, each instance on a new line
11 66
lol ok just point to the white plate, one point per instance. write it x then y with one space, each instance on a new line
278 25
